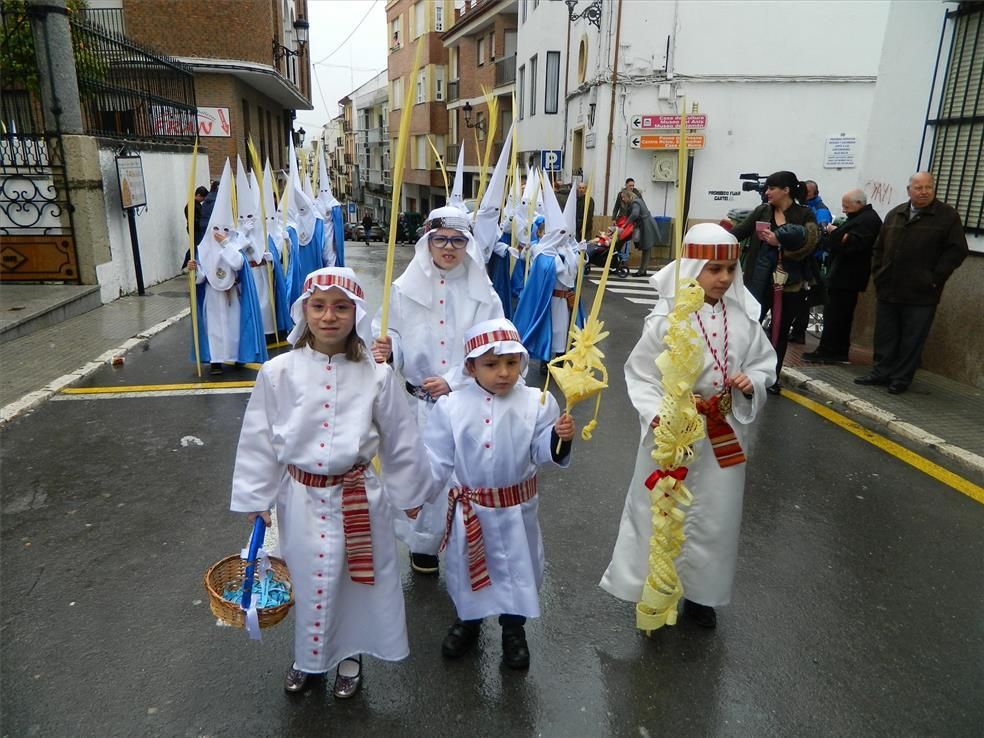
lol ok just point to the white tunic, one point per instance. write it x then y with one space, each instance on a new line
325 415
219 265
478 439
707 561
428 341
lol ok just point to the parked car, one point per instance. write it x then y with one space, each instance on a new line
377 232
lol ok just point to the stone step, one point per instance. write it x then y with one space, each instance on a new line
27 308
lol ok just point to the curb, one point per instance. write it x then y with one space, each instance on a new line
884 418
33 399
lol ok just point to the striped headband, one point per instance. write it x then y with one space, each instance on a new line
711 251
333 280
484 339
454 222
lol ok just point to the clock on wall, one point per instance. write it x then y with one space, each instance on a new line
664 166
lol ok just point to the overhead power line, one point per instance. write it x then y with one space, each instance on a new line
352 33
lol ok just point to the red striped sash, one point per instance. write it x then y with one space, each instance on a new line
486 497
355 517
724 443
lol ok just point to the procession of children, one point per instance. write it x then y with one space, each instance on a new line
422 425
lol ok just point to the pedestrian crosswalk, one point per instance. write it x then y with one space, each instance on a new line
636 290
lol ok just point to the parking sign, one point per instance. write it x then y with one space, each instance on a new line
551 160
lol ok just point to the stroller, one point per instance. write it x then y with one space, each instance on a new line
597 251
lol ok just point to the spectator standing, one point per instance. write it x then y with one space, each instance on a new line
644 234
920 244
783 194
199 229
208 203
583 231
366 226
801 321
849 246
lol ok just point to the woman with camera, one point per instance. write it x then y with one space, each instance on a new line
781 233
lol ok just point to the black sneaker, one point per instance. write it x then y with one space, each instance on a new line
797 339
871 379
816 356
702 615
460 638
515 652
424 563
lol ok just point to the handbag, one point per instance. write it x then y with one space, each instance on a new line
625 228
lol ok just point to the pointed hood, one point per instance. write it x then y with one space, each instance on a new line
570 213
457 198
248 211
220 237
273 221
300 208
486 228
552 213
325 197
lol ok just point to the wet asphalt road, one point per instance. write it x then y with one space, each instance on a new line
859 600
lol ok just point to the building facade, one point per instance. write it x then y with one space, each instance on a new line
408 21
370 115
481 46
251 70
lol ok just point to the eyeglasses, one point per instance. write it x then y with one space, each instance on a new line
442 242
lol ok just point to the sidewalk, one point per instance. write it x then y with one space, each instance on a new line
936 412
37 365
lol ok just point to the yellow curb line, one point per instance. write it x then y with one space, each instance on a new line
937 472
154 388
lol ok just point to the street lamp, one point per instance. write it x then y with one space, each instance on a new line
301 28
479 124
592 14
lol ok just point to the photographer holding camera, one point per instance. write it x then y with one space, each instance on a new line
770 266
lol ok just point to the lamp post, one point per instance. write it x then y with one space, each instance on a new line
479 124
301 29
592 13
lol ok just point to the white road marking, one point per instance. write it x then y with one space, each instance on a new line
154 393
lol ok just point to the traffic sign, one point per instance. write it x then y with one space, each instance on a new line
649 122
551 160
669 141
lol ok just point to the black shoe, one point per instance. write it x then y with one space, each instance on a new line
640 274
815 356
515 652
424 563
702 615
215 369
897 388
797 339
871 379
775 389
460 638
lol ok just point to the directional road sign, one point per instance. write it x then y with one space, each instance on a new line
650 122
641 141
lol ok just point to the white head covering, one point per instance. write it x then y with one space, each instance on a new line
497 334
248 205
457 198
300 208
340 278
214 255
325 197
710 240
417 282
273 222
486 228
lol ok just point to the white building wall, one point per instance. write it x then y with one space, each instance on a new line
774 80
544 30
161 227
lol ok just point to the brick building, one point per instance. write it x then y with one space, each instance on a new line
423 185
252 69
481 47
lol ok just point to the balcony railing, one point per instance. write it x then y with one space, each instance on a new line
378 135
505 70
348 159
451 159
452 90
346 127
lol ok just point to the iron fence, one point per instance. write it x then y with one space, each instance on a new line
129 91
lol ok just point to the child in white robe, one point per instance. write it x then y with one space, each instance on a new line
444 290
487 439
316 418
739 363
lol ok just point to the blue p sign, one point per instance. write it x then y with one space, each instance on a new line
551 160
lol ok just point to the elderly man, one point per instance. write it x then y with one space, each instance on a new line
581 228
920 245
849 246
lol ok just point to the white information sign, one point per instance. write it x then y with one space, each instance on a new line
839 152
133 193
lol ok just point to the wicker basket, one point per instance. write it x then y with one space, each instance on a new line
231 570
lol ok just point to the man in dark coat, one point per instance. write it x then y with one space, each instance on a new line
584 229
920 245
849 246
620 208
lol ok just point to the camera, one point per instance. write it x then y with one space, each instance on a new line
753 183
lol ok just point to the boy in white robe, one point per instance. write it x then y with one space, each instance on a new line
316 418
739 363
487 439
444 291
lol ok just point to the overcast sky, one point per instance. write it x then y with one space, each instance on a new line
348 48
